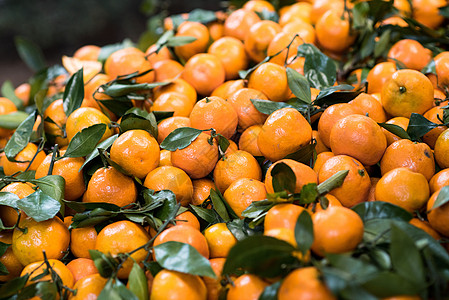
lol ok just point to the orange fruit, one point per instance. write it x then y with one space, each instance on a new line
259 37
85 117
178 85
171 284
285 131
127 61
166 70
427 12
242 192
406 92
305 31
417 157
23 159
152 56
171 178
238 23
442 69
9 215
368 105
55 112
201 190
435 114
360 137
355 187
164 158
283 234
282 216
270 79
123 237
39 267
439 180
320 159
304 283
6 107
319 146
166 126
189 219
8 259
204 72
82 240
247 113
50 236
425 226
69 169
236 165
178 103
227 88
249 285
410 53
279 44
184 234
82 267
215 30
196 30
259 5
219 239
199 158
319 7
330 116
403 187
438 216
136 151
231 52
214 112
88 287
109 185
336 230
333 31
213 285
298 11
304 174
399 121
87 52
23 92
248 140
441 149
332 201
378 75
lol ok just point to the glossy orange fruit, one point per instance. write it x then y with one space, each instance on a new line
304 174
242 192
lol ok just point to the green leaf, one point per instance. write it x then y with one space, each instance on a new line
169 204
85 141
9 199
429 68
73 93
409 266
181 257
119 89
333 89
30 53
202 16
116 290
52 185
117 105
8 91
105 264
21 137
92 218
138 282
46 290
387 283
444 11
299 85
319 69
442 198
12 120
304 154
271 291
309 193
82 206
13 286
332 182
103 145
223 142
381 210
269 15
419 126
107 50
264 256
284 179
180 41
3 269
257 208
139 120
241 230
268 106
382 45
395 129
304 232
180 138
218 205
208 215
336 97
39 206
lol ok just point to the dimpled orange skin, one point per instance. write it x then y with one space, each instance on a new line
88 287
26 155
336 230
123 237
198 159
50 235
85 117
219 239
247 113
438 217
407 92
137 152
166 126
6 107
282 216
174 285
239 22
57 266
242 192
404 188
82 267
439 180
417 157
82 240
248 140
411 53
231 52
249 285
442 149
304 175
127 61
304 283
270 79
111 186
8 259
9 215
196 30
284 132
360 137
357 183
259 37
236 165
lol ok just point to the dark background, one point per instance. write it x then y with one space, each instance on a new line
59 27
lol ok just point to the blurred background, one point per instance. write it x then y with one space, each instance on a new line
60 27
